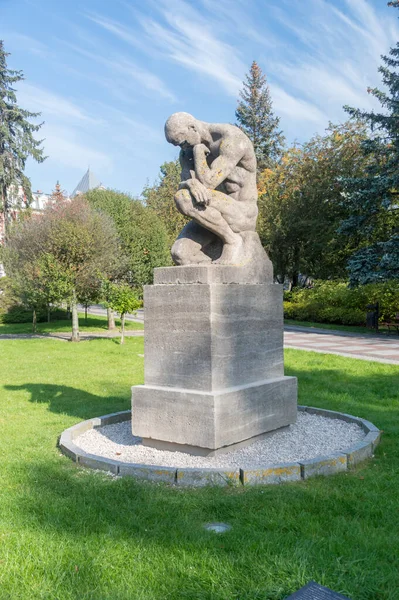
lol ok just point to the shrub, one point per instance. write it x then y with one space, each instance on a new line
335 302
19 314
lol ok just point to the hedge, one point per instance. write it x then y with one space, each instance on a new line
335 302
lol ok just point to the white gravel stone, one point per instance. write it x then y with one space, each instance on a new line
310 436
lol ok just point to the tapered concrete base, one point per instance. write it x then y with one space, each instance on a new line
213 366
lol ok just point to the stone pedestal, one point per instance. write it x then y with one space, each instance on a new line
214 373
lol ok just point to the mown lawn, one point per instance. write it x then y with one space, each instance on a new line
93 324
73 534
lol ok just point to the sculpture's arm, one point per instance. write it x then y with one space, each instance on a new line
186 159
230 153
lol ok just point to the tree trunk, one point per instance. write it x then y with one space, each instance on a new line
111 318
75 320
34 321
86 314
123 328
48 313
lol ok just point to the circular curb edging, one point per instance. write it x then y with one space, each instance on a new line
264 474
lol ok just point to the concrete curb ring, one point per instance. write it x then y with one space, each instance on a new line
264 474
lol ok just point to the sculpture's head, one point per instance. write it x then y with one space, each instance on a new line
182 129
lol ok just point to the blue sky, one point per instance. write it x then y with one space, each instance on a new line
106 74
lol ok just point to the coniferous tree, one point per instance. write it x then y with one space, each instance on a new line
255 117
58 195
17 142
373 200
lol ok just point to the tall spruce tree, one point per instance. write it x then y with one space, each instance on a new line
373 200
255 117
17 142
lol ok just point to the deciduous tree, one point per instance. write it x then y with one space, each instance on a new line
143 236
123 299
160 198
65 247
300 204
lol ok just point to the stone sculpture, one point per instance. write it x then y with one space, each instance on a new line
218 192
213 366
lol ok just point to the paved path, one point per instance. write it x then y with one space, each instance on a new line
97 309
366 347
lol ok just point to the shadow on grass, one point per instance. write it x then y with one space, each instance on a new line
63 399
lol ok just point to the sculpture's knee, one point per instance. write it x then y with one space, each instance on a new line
183 202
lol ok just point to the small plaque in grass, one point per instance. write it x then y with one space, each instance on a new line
314 591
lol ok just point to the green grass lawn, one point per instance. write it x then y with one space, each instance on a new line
332 326
72 534
93 324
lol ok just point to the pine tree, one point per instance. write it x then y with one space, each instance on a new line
58 195
256 118
373 200
16 141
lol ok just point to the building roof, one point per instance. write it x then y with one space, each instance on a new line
88 182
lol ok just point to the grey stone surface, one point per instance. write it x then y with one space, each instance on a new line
117 417
67 446
373 438
359 452
148 472
218 192
96 462
202 477
80 428
332 414
369 427
324 465
213 274
213 367
272 474
216 419
209 337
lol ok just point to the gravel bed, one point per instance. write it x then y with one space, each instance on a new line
310 436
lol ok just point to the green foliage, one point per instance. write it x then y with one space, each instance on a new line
7 295
373 199
142 235
256 118
336 302
300 204
17 142
160 198
121 298
53 257
19 314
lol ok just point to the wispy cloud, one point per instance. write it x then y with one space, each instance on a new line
28 43
48 103
188 39
297 109
128 70
65 147
339 56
